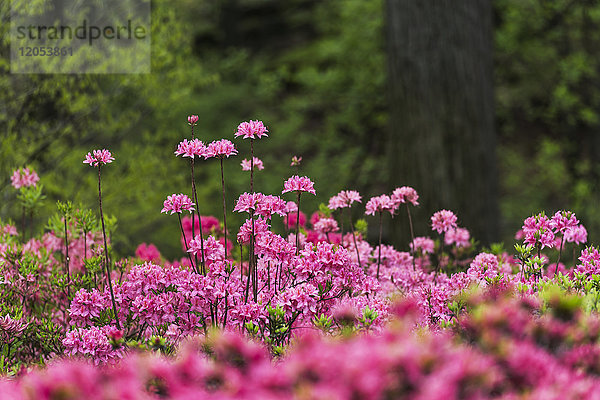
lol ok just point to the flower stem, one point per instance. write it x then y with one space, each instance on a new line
67 258
224 207
194 267
412 237
562 241
354 238
195 197
112 295
298 225
380 234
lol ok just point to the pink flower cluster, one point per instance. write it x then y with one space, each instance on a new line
344 199
442 221
192 148
299 184
252 130
220 149
379 204
177 203
98 158
24 177
246 164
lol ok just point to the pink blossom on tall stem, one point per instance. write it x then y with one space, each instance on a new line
299 185
192 148
246 164
192 120
98 158
344 199
296 161
405 195
24 177
379 204
252 130
176 204
443 220
220 149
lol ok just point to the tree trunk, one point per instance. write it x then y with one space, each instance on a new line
442 139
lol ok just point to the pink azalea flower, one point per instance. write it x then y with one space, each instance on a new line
405 194
576 234
443 220
299 184
247 202
326 225
220 149
425 244
193 148
344 199
252 130
246 164
192 119
379 204
98 157
177 203
458 236
296 161
24 177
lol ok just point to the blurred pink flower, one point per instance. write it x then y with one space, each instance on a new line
24 177
258 164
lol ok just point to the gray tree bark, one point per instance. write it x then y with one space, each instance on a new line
442 140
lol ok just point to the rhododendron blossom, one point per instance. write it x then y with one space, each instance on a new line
177 203
193 148
98 157
247 165
405 194
443 220
379 204
192 119
220 149
252 130
24 177
299 184
344 199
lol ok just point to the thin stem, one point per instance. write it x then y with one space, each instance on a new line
23 225
562 241
186 244
354 238
380 234
251 165
224 207
412 237
67 258
112 295
84 245
298 225
195 194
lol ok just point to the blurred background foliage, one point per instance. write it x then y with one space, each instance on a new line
315 73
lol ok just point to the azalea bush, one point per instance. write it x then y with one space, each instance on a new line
287 305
